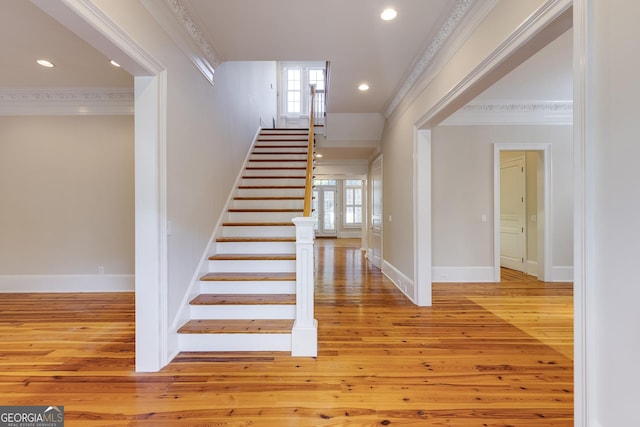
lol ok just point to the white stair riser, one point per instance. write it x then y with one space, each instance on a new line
275 172
297 137
252 266
263 216
248 287
256 247
234 342
269 204
220 312
264 182
270 192
259 231
276 157
280 148
274 163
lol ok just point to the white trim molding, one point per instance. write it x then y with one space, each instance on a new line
66 101
513 113
545 207
176 21
446 31
67 283
402 282
479 274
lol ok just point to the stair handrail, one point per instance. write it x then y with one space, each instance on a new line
308 191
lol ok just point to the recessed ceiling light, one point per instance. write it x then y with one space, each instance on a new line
114 63
45 63
363 87
318 155
388 14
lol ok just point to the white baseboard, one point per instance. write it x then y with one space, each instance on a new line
402 282
562 274
462 274
67 283
349 234
532 268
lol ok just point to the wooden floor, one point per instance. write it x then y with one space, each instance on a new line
483 355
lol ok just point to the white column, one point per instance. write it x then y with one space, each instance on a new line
304 336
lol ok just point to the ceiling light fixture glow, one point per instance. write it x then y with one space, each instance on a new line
114 63
45 63
363 87
388 14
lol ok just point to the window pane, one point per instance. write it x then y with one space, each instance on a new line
353 182
358 196
349 216
329 210
358 215
324 182
348 194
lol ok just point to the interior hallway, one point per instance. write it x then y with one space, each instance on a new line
483 355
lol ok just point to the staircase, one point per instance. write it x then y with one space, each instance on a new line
247 300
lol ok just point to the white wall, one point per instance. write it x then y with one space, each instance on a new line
66 186
462 191
613 129
398 134
209 132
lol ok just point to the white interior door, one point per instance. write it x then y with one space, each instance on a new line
324 211
513 241
375 224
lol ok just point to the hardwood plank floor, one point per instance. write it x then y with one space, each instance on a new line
483 355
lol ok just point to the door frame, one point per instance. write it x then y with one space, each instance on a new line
86 19
545 224
371 200
320 214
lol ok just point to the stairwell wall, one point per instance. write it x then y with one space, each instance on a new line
209 130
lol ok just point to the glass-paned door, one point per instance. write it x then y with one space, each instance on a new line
324 210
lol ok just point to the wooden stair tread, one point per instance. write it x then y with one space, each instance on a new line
256 239
258 224
275 153
237 327
253 257
274 177
271 168
280 146
244 299
279 160
265 210
248 277
246 187
269 198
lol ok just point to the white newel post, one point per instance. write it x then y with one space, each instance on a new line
304 336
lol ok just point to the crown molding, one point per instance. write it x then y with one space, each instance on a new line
176 21
446 31
513 113
66 101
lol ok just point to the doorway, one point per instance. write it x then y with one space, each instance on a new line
325 196
522 209
375 220
514 205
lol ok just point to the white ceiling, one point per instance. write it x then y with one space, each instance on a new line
349 33
28 34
